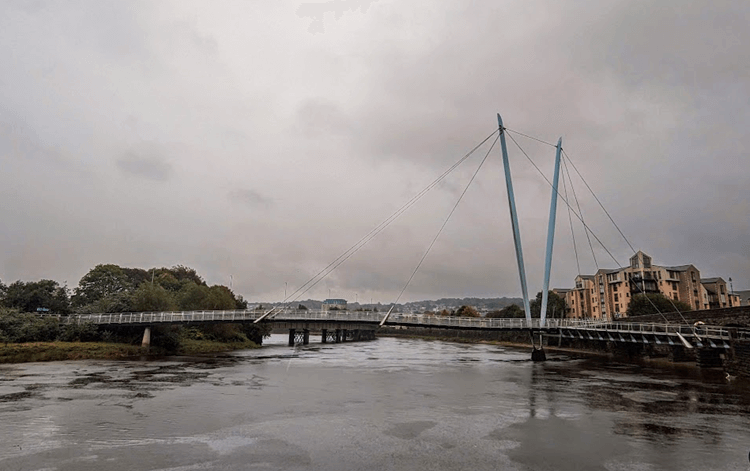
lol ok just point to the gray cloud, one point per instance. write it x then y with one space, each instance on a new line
150 167
329 116
249 198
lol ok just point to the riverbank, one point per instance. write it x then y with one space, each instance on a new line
60 351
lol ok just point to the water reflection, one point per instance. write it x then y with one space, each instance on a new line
386 404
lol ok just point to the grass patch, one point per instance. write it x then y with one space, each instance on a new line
57 351
60 351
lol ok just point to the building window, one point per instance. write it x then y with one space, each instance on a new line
617 298
617 308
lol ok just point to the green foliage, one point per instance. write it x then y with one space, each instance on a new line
166 337
510 311
643 304
150 297
466 311
100 282
555 305
21 327
28 296
84 332
256 332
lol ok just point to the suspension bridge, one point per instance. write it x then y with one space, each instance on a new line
341 326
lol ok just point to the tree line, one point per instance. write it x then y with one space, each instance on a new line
111 288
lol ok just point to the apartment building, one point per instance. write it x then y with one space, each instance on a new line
607 294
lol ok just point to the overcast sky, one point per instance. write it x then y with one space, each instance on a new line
260 140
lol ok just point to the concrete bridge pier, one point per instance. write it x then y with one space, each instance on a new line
537 354
146 342
324 336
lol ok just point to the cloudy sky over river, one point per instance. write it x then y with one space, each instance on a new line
262 139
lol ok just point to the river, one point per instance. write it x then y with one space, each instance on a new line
388 404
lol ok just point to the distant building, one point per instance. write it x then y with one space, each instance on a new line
334 305
607 294
715 293
742 297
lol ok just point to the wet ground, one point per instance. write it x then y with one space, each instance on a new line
395 404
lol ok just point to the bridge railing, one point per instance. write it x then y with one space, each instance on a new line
163 317
660 329
402 319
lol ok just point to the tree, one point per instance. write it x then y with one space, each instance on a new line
32 295
100 282
466 311
221 298
150 297
511 311
643 304
555 305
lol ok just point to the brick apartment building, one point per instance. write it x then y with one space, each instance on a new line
606 294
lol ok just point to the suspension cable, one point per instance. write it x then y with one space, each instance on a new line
318 277
570 220
446 221
600 203
578 205
588 228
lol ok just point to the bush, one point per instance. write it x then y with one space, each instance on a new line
17 328
85 332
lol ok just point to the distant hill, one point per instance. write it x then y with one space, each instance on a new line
481 304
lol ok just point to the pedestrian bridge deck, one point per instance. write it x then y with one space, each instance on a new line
689 336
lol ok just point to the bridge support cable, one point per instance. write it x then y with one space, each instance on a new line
600 203
572 233
550 235
471 180
309 284
567 159
580 211
586 227
514 220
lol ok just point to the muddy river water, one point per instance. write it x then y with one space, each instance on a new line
388 404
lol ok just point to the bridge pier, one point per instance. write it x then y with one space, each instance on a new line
146 342
537 354
296 338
